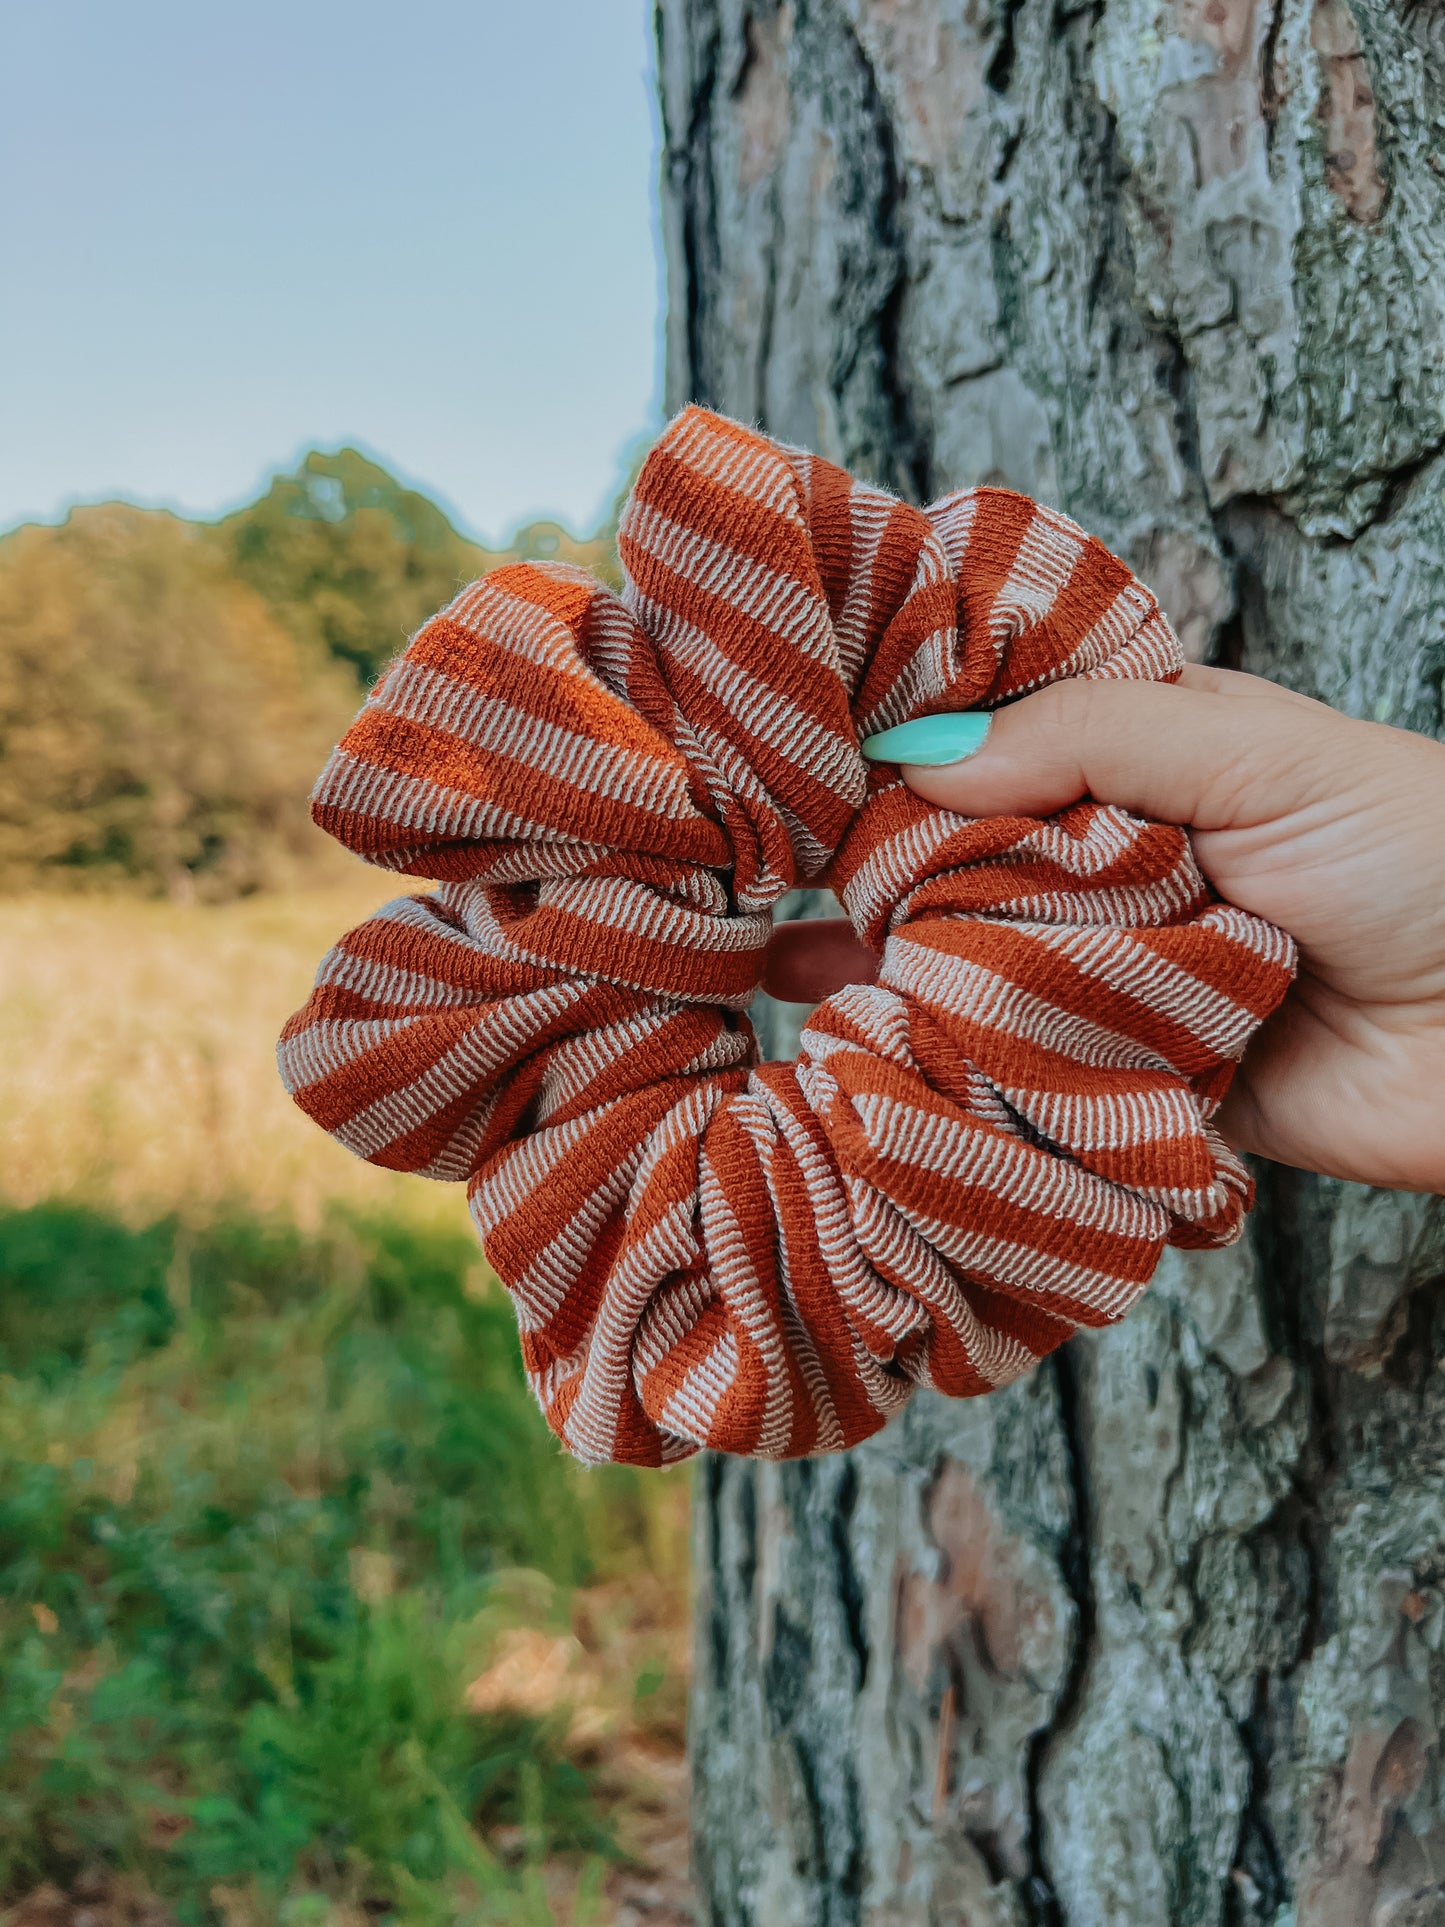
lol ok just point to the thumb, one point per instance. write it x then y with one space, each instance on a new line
1217 750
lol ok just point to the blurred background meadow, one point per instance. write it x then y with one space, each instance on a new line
310 317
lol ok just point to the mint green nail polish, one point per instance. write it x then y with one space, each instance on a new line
929 739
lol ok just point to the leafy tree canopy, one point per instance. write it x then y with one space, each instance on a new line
158 726
168 689
353 562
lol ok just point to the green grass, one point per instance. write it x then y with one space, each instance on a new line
260 1497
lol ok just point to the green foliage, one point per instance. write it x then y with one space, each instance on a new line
168 690
256 1493
110 1288
158 727
348 559
353 563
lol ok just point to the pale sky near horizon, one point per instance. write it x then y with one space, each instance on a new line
230 234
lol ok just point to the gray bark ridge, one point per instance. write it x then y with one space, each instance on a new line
1155 1637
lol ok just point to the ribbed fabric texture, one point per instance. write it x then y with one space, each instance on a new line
981 1151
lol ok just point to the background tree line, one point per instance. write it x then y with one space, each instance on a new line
169 689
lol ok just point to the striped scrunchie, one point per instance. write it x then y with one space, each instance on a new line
984 1149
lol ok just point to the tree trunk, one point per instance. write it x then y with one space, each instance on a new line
1156 1635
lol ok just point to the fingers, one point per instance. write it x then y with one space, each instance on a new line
1234 682
1217 751
1185 753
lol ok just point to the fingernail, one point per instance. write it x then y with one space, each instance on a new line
948 738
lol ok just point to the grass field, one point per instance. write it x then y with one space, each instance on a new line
137 1058
303 1617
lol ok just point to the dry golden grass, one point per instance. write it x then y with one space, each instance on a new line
137 1057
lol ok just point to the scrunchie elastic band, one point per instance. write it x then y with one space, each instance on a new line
984 1149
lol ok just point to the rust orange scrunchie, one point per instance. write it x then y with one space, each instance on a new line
984 1149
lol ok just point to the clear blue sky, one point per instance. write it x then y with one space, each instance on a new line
229 233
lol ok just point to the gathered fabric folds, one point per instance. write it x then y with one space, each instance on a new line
984 1149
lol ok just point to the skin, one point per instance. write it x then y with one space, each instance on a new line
1331 828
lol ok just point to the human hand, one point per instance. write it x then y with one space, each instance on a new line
1331 828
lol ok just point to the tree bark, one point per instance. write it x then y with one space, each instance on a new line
1155 1636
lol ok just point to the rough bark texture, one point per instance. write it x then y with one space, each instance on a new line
1157 1636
